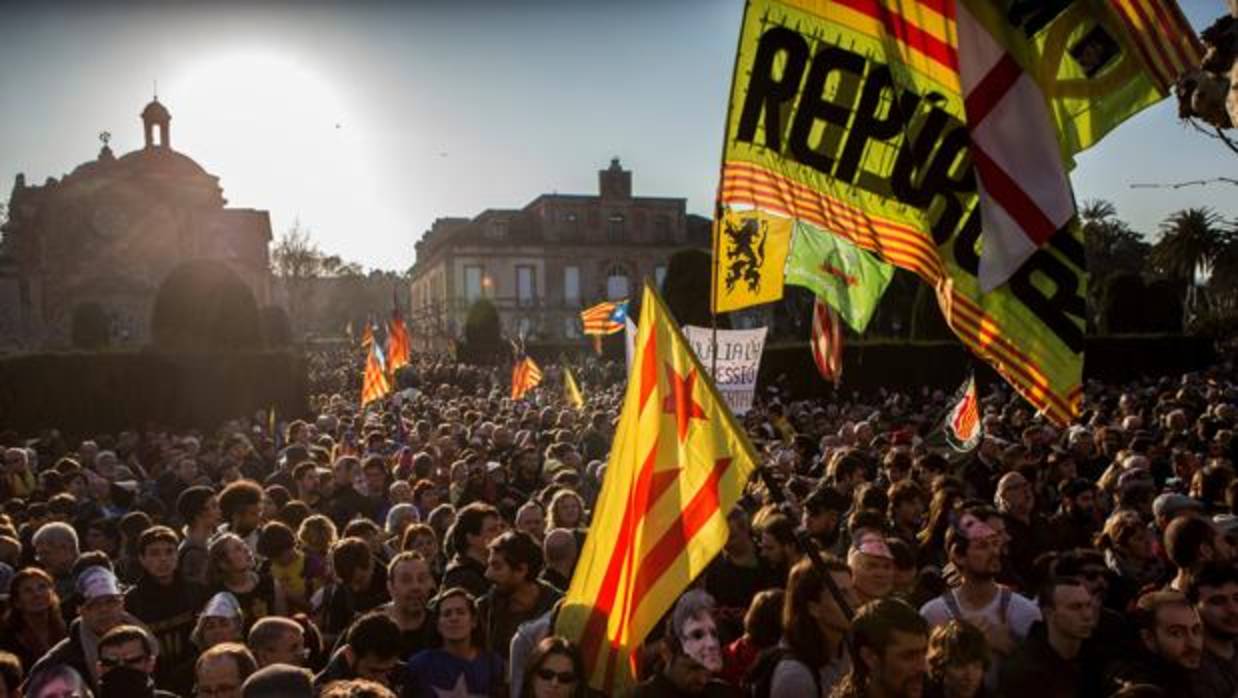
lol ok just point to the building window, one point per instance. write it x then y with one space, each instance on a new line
614 227
659 273
617 285
473 275
571 286
496 230
571 225
571 327
662 229
526 288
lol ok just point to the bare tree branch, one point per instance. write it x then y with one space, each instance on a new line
1192 183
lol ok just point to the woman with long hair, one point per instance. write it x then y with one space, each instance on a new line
33 623
567 510
316 535
814 628
231 568
554 670
461 656
1128 547
958 657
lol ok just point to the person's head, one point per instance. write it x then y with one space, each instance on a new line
1170 628
410 582
157 553
353 563
455 616
1014 495
763 619
1079 497
823 508
958 657
420 538
476 525
779 546
1214 593
374 640
10 675
56 547
241 505
888 643
1126 534
199 506
277 640
1068 608
515 560
102 606
279 681
845 470
221 671
693 632
356 688
127 646
277 542
374 469
553 670
567 510
531 519
32 591
228 555
811 615
221 621
57 681
975 548
1191 541
317 533
907 504
872 566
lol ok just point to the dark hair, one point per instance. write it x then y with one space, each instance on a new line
239 495
873 628
349 555
800 629
128 633
156 534
871 496
1213 575
550 646
956 642
192 502
905 491
278 494
1048 588
374 635
518 548
826 498
293 513
10 672
469 522
304 468
1147 607
1184 539
360 527
763 621
275 539
781 528
417 529
436 604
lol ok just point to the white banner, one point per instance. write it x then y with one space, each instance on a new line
739 359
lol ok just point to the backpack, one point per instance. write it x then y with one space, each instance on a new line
760 677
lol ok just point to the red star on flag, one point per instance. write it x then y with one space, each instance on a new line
680 402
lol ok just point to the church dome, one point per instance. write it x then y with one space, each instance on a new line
163 161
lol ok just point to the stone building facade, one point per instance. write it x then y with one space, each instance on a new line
110 232
543 263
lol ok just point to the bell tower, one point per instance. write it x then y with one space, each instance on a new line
156 116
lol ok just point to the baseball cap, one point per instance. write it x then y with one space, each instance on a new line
96 582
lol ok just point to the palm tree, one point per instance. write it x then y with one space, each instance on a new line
1191 240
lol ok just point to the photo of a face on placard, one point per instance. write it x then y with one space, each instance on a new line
700 641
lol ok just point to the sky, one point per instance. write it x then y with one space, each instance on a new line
366 121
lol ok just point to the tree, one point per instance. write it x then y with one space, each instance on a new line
1111 248
483 334
203 306
299 261
1191 241
685 288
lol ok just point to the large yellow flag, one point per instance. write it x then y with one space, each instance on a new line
750 251
678 464
571 391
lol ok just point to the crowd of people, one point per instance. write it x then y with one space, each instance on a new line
422 546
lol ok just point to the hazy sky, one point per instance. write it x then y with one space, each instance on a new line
367 121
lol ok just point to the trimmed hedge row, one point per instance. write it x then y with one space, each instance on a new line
85 393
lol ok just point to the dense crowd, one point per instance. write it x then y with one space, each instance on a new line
422 547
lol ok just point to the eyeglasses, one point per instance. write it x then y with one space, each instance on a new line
567 678
131 662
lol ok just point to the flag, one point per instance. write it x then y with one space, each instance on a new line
629 340
851 280
604 318
963 428
750 251
827 341
678 464
398 349
571 391
374 383
367 336
273 429
525 376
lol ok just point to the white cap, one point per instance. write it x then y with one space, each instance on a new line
222 605
95 582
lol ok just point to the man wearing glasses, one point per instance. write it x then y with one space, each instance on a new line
102 608
126 664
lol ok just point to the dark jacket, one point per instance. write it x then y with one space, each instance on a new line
463 571
170 612
1145 667
1036 670
68 651
347 504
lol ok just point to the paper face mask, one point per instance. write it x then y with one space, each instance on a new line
700 641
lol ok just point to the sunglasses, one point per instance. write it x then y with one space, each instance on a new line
567 678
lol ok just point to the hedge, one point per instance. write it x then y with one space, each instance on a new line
86 393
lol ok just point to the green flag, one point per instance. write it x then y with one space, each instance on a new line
851 280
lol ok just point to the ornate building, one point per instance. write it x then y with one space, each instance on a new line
541 264
106 235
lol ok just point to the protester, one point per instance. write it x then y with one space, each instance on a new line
33 622
554 670
460 663
958 658
221 671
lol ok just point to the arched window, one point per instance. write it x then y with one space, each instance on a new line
618 286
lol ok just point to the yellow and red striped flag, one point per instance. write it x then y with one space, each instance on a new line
525 376
677 466
398 349
604 318
367 336
374 384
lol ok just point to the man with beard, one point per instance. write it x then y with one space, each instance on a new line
1214 593
1172 639
1049 664
517 595
695 654
241 506
780 548
1190 543
1075 524
1002 615
888 643
306 483
411 586
168 609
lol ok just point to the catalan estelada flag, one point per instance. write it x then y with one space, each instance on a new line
604 318
525 376
677 466
963 423
398 345
374 383
571 391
